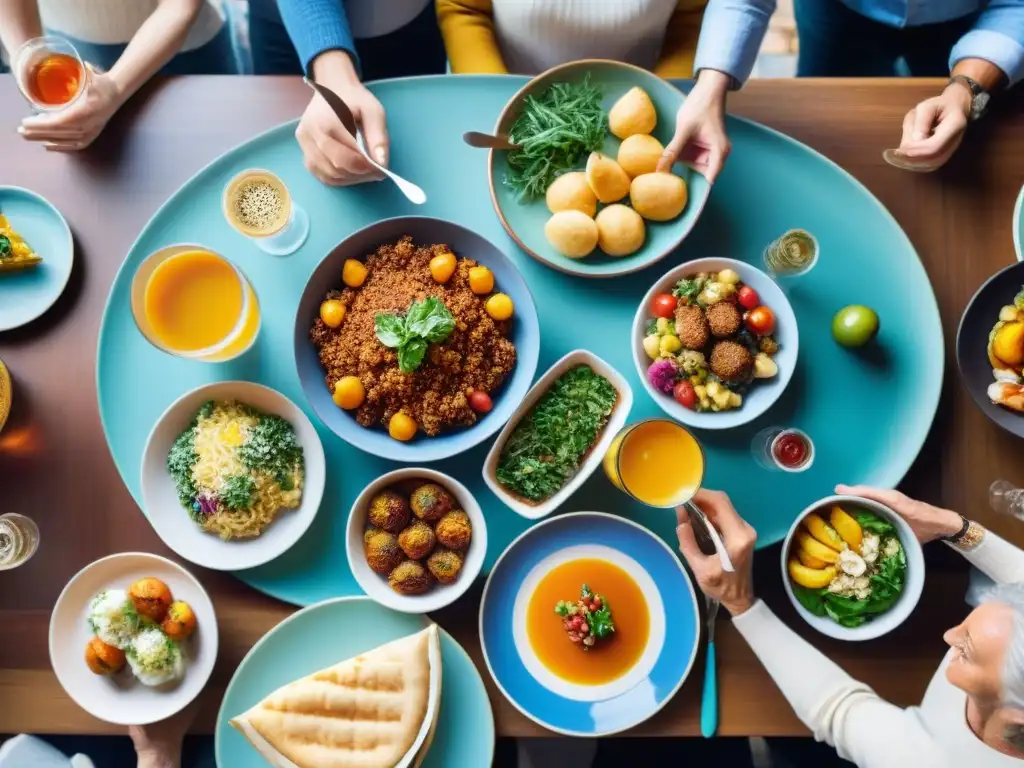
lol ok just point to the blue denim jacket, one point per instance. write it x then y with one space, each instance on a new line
733 29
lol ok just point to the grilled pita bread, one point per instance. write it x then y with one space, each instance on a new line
377 710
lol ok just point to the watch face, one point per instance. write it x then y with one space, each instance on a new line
979 104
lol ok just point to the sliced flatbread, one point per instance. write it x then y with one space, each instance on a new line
376 710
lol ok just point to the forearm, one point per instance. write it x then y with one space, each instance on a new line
160 759
993 51
681 36
157 41
19 21
731 36
317 27
467 27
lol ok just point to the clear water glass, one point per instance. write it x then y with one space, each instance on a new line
19 540
1006 498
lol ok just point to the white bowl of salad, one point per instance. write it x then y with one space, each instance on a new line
852 567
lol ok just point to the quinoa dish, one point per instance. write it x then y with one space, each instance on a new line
415 340
416 536
709 340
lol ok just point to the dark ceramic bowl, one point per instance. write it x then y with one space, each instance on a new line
972 343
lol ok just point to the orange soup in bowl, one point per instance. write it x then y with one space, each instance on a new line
563 653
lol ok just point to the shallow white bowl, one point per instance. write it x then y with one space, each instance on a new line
762 393
904 606
121 698
592 460
440 595
171 521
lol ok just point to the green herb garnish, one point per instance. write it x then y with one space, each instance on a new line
180 461
554 133
272 447
237 491
426 322
599 621
5 246
1018 300
544 450
689 288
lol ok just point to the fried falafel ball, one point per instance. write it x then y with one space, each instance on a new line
455 530
430 502
417 541
724 318
444 565
691 326
409 578
731 361
388 511
383 554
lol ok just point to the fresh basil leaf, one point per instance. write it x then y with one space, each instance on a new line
410 355
430 320
390 330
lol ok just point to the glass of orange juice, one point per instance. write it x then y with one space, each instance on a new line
50 73
192 302
657 462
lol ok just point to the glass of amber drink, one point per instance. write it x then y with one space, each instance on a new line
192 302
657 462
258 204
50 73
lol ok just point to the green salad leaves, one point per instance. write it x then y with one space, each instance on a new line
426 322
886 579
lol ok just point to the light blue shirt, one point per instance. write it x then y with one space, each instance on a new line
733 30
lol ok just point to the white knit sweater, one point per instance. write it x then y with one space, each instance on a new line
862 727
115 22
535 35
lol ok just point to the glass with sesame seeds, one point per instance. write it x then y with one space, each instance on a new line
257 204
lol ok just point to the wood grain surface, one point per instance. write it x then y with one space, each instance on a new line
55 465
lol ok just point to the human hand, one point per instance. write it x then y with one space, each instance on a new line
700 137
934 128
734 590
158 745
77 126
331 152
927 522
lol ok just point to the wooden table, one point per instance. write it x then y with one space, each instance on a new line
55 466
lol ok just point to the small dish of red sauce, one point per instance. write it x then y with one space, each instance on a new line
792 450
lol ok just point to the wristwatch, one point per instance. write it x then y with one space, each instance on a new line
968 537
979 96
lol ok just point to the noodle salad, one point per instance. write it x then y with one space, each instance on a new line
235 468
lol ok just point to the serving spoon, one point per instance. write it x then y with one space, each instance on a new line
410 190
487 141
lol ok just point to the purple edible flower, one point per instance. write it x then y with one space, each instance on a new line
207 504
663 374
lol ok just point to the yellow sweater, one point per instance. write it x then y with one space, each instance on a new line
529 36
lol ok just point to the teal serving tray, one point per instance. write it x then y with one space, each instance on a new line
868 411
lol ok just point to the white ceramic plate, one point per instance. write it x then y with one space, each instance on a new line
440 595
904 606
171 521
1018 225
593 459
763 393
121 698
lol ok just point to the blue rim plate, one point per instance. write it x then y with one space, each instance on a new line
525 221
464 242
1018 225
579 710
26 295
332 631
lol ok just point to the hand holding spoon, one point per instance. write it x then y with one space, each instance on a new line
410 190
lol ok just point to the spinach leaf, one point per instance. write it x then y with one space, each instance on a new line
869 521
811 599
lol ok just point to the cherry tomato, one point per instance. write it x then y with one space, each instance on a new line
480 402
747 297
664 305
684 394
761 320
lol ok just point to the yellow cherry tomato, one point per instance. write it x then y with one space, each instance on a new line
332 312
669 344
353 273
402 427
442 267
499 307
348 393
481 280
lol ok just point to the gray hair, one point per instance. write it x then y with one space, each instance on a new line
1012 596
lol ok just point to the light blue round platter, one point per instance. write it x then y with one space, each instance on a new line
524 333
524 221
28 293
868 412
330 632
642 691
1018 225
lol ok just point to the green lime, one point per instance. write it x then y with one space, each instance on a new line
855 325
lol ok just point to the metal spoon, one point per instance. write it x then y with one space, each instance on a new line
410 190
487 141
